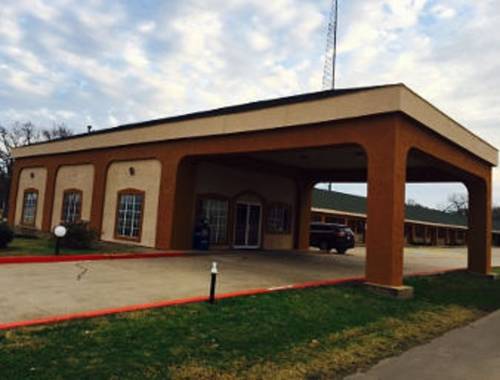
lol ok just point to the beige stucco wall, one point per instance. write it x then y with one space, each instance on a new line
38 182
79 177
147 178
229 182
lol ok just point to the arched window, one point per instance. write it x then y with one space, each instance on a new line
30 203
129 214
72 206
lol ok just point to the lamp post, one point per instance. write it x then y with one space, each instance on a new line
59 232
213 272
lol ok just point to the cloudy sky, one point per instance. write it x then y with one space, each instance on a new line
107 63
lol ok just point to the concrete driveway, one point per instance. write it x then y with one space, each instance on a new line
32 291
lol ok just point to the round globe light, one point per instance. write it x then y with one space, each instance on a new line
60 231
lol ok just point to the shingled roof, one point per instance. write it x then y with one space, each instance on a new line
356 204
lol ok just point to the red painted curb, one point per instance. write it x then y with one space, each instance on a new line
168 303
99 313
91 257
183 301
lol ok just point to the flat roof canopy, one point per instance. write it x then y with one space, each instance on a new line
286 112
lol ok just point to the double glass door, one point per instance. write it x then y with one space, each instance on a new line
247 229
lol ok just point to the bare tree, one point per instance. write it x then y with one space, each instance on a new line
458 203
413 202
58 131
17 135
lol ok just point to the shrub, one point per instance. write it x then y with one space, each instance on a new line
6 234
28 233
79 236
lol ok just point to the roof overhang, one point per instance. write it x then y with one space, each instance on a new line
281 113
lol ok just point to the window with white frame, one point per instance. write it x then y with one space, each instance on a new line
278 219
215 211
129 214
72 206
30 202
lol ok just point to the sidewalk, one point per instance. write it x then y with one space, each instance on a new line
468 353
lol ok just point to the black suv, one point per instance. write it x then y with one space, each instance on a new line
331 235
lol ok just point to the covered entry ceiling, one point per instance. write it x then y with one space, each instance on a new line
341 163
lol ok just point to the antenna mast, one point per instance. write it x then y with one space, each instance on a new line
331 49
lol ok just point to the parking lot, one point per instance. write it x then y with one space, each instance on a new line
32 291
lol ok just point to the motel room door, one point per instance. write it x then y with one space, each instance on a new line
247 226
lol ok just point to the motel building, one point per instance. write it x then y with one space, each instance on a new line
251 169
423 225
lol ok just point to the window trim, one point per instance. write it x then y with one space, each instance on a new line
229 221
120 193
284 205
67 191
30 190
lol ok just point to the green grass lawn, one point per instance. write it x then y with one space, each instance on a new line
313 333
22 246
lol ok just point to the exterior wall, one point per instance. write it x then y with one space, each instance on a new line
79 177
237 184
146 178
31 178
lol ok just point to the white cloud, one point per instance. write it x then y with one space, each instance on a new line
146 27
443 11
134 54
27 59
258 40
9 27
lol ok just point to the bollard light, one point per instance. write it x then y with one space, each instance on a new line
213 281
59 232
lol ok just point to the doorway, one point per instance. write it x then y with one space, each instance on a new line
247 226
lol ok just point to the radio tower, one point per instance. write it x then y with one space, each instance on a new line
331 49
331 55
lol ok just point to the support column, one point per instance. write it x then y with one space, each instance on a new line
386 212
174 227
48 204
14 185
434 236
480 220
184 205
303 214
98 195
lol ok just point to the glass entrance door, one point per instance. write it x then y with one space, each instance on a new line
247 225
